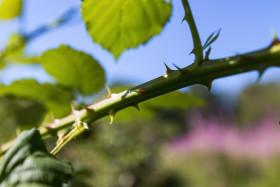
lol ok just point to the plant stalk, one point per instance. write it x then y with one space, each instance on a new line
172 80
197 50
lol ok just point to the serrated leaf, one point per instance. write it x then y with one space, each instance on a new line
10 9
74 69
120 25
27 163
56 99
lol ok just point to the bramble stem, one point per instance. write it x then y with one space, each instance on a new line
208 71
78 129
198 50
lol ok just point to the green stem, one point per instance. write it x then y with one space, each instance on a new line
205 73
78 129
198 50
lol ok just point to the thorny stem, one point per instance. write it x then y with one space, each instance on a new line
208 71
198 50
79 128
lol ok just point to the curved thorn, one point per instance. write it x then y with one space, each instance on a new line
176 67
136 106
168 71
275 40
261 71
208 85
112 116
109 91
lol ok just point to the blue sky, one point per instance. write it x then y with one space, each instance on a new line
246 26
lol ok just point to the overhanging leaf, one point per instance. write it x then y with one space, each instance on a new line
74 69
10 8
122 24
56 99
27 163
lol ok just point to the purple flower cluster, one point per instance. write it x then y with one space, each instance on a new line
211 136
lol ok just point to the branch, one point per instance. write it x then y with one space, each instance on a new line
198 50
172 80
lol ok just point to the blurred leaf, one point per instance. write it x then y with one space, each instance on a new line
120 25
29 113
23 113
27 163
74 69
56 99
10 8
257 101
14 52
173 100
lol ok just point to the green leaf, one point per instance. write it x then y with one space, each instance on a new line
27 163
56 99
23 113
74 69
122 24
10 9
211 39
174 100
14 52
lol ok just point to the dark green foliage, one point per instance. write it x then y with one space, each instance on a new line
148 109
28 163
54 98
258 100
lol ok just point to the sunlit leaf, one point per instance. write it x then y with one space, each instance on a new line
122 24
56 99
74 69
10 8
27 163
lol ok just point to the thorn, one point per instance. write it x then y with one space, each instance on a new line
184 18
136 106
109 91
176 67
180 70
192 52
275 41
74 111
90 109
112 116
208 84
261 71
168 71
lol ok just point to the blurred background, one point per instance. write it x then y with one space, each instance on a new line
229 137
